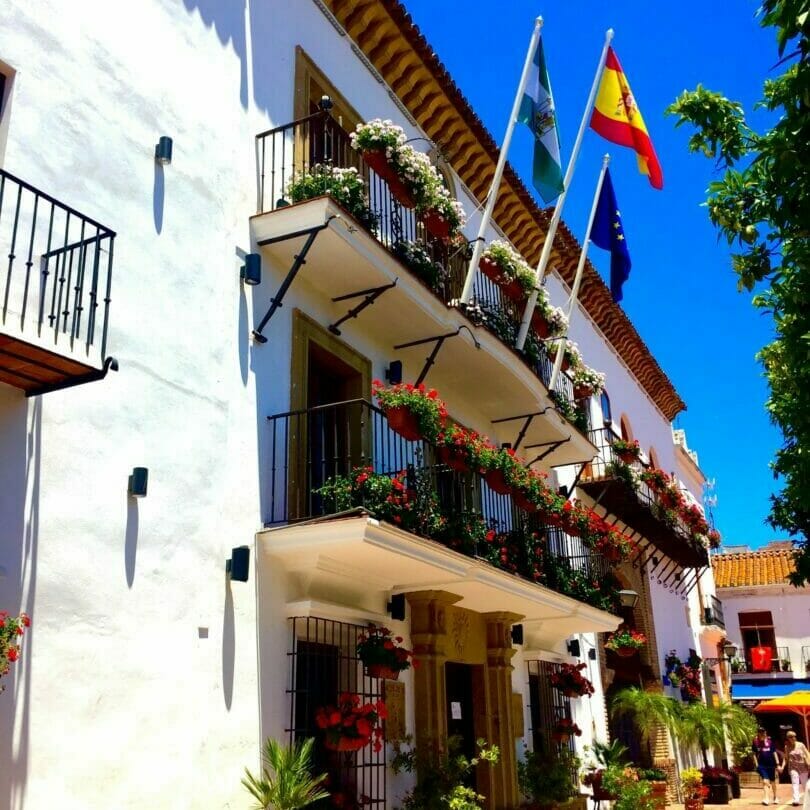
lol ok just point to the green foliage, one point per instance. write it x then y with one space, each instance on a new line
649 710
762 205
548 778
286 781
441 776
631 792
607 754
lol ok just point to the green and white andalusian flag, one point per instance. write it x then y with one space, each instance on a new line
537 111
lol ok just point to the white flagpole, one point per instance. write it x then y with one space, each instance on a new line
555 372
494 188
555 219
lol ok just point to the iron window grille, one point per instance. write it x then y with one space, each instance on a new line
547 707
323 663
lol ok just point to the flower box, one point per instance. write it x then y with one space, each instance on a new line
491 269
540 324
346 743
626 652
455 459
403 422
401 192
377 160
582 392
382 671
436 224
626 456
523 502
514 291
496 482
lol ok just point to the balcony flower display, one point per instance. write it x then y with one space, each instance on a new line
412 411
614 545
564 729
672 669
419 262
507 268
572 358
529 490
503 550
379 141
454 447
570 681
382 654
691 678
352 724
579 521
626 451
498 466
548 320
714 538
692 516
12 629
625 642
443 216
345 186
587 382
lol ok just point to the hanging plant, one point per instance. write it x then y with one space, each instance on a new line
625 642
12 629
587 382
571 359
626 451
564 729
413 411
352 724
344 186
569 680
382 654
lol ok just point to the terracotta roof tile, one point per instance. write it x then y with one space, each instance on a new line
768 567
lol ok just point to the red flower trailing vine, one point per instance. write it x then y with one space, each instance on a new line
12 629
565 729
569 680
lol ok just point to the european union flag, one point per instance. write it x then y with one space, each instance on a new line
607 233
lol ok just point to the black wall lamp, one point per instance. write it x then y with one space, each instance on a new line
517 634
138 482
628 598
251 272
394 372
163 150
396 607
573 648
238 567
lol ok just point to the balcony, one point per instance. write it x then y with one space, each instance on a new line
454 533
713 613
55 291
780 663
635 504
409 309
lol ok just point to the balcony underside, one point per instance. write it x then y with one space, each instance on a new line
614 497
345 259
359 562
35 370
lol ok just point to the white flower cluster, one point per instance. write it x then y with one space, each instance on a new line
589 378
571 352
555 318
378 134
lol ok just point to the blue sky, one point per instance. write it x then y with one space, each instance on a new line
682 293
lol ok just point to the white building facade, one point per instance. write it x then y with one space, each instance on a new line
150 677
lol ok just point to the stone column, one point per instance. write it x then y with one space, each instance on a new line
502 788
429 639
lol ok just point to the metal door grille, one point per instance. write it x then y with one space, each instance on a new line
323 663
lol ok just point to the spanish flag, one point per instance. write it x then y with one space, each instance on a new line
617 118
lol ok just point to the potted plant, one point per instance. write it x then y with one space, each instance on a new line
420 263
587 382
625 642
12 629
507 268
548 320
626 451
352 724
529 489
412 411
714 537
572 358
545 780
379 142
442 216
564 729
657 780
344 186
381 653
693 789
498 466
630 792
286 781
569 680
614 545
718 781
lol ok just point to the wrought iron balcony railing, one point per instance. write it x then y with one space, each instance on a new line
289 151
316 456
56 285
713 612
621 491
780 662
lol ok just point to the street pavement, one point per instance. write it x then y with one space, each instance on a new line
751 798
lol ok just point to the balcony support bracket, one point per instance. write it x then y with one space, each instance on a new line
550 448
439 341
369 297
110 364
298 262
529 418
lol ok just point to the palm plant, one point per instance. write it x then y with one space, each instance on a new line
701 725
650 710
607 754
291 784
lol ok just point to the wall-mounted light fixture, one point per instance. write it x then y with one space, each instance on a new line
517 634
163 150
138 482
394 372
396 607
251 272
628 599
592 654
573 648
326 103
238 567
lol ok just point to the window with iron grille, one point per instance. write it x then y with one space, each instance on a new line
323 663
547 707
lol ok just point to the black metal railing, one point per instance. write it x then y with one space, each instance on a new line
713 612
288 151
310 450
59 269
780 662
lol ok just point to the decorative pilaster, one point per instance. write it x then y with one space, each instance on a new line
502 787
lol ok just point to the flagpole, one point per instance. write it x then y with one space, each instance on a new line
555 219
555 372
494 188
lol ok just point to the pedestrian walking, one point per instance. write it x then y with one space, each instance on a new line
767 762
797 762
